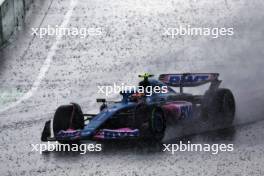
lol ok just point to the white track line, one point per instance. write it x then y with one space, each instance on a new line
46 65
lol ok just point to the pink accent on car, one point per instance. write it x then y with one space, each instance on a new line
116 133
173 109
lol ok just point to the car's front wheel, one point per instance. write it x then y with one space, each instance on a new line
68 117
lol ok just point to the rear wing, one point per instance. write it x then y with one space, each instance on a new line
190 79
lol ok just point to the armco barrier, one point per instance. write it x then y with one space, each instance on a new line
12 13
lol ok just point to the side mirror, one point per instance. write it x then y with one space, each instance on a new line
100 100
104 105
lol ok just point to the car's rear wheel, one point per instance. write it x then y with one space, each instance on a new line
219 107
68 117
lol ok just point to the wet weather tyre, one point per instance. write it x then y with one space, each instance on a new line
68 116
221 107
157 125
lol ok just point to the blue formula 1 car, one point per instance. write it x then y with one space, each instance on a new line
139 115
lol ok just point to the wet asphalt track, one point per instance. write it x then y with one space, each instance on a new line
132 44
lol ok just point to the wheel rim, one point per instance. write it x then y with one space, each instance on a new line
158 122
